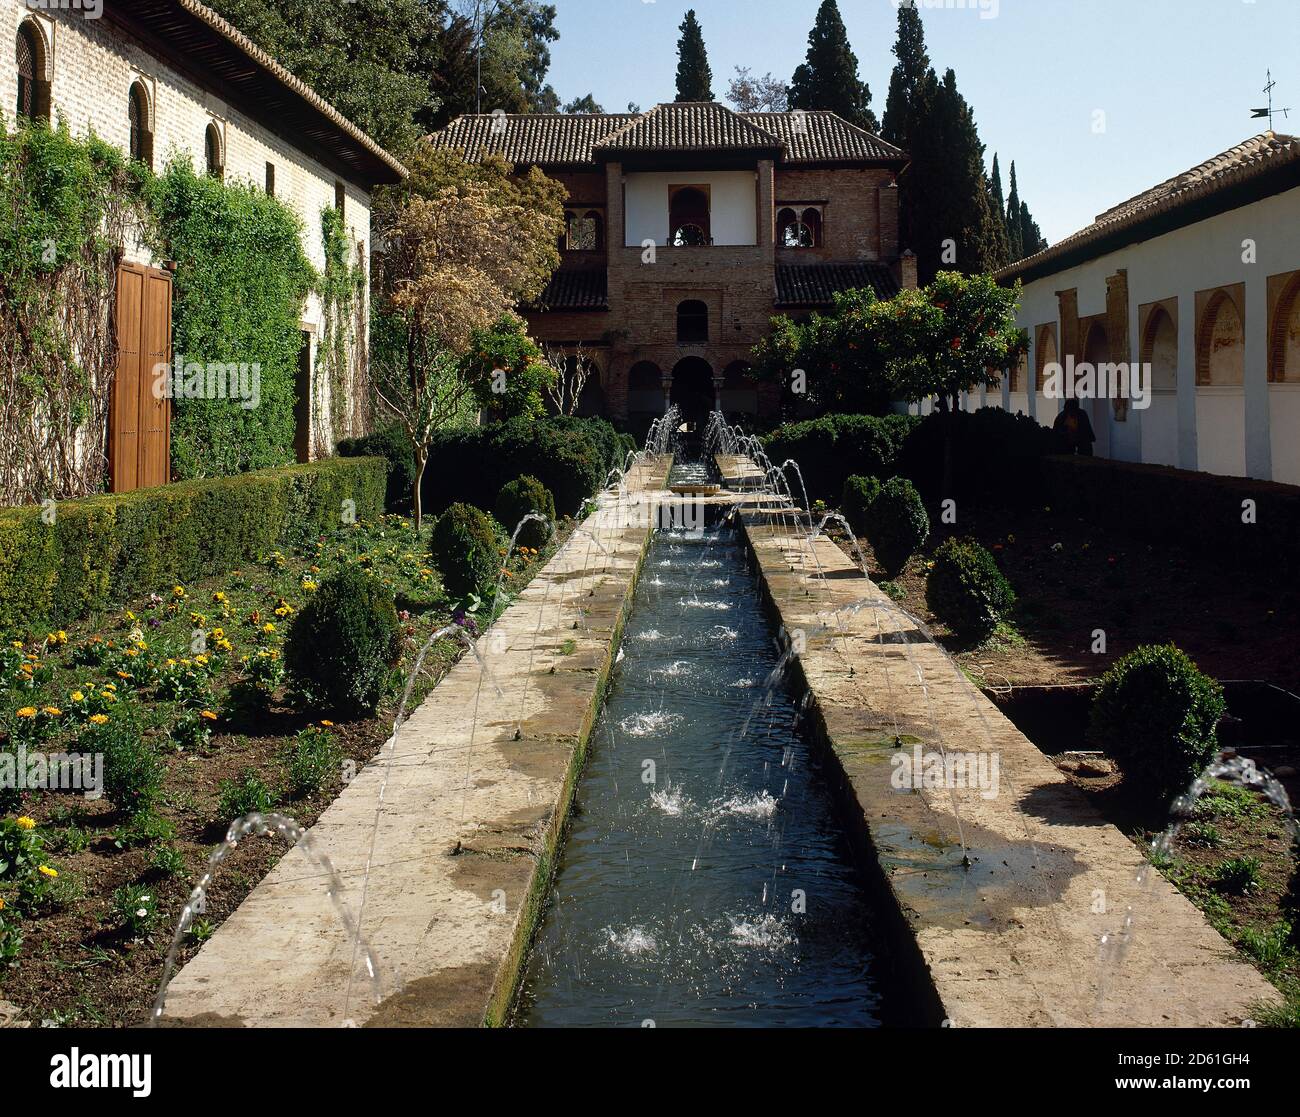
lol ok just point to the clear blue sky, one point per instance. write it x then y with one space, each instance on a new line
1175 78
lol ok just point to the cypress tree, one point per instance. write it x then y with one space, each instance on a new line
1015 240
1031 236
998 209
828 79
910 72
694 78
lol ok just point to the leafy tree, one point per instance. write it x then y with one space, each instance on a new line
380 80
507 368
462 244
694 78
751 94
580 105
828 79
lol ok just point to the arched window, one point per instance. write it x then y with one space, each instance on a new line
688 216
692 323
582 231
33 89
212 151
1045 354
1220 343
799 230
644 376
141 132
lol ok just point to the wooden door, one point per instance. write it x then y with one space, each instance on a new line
140 417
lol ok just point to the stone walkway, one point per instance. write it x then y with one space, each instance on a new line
474 797
1013 940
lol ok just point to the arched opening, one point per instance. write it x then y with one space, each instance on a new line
1159 353
1160 350
582 231
1284 345
798 230
692 390
692 322
141 128
212 152
1220 344
33 88
645 390
739 389
591 400
688 216
1096 352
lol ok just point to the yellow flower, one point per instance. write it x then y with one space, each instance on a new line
201 659
53 711
26 823
219 597
123 675
326 723
178 591
129 615
98 719
77 696
110 686
209 715
26 712
268 627
46 871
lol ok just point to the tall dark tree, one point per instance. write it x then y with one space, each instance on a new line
828 79
1015 239
583 105
998 208
911 71
1031 236
952 223
694 78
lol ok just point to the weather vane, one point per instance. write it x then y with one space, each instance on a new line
1259 114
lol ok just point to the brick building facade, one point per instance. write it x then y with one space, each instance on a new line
687 228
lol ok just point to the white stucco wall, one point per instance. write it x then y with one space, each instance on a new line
1252 430
733 206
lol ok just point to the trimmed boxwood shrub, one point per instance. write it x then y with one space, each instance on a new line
859 493
343 645
463 547
394 447
1156 714
966 590
831 449
470 464
519 497
107 549
898 524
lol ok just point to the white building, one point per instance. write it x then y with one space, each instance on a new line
163 78
1198 277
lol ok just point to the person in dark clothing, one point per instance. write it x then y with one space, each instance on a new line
1074 429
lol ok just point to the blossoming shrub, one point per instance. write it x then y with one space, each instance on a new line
519 497
1157 715
61 562
464 549
28 882
344 643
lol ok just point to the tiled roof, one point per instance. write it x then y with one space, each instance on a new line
1257 156
574 289
823 137
817 284
688 126
543 139
574 140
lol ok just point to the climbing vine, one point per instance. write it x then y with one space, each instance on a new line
241 281
340 359
66 207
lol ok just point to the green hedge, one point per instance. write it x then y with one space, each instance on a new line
394 447
1198 510
107 549
831 449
